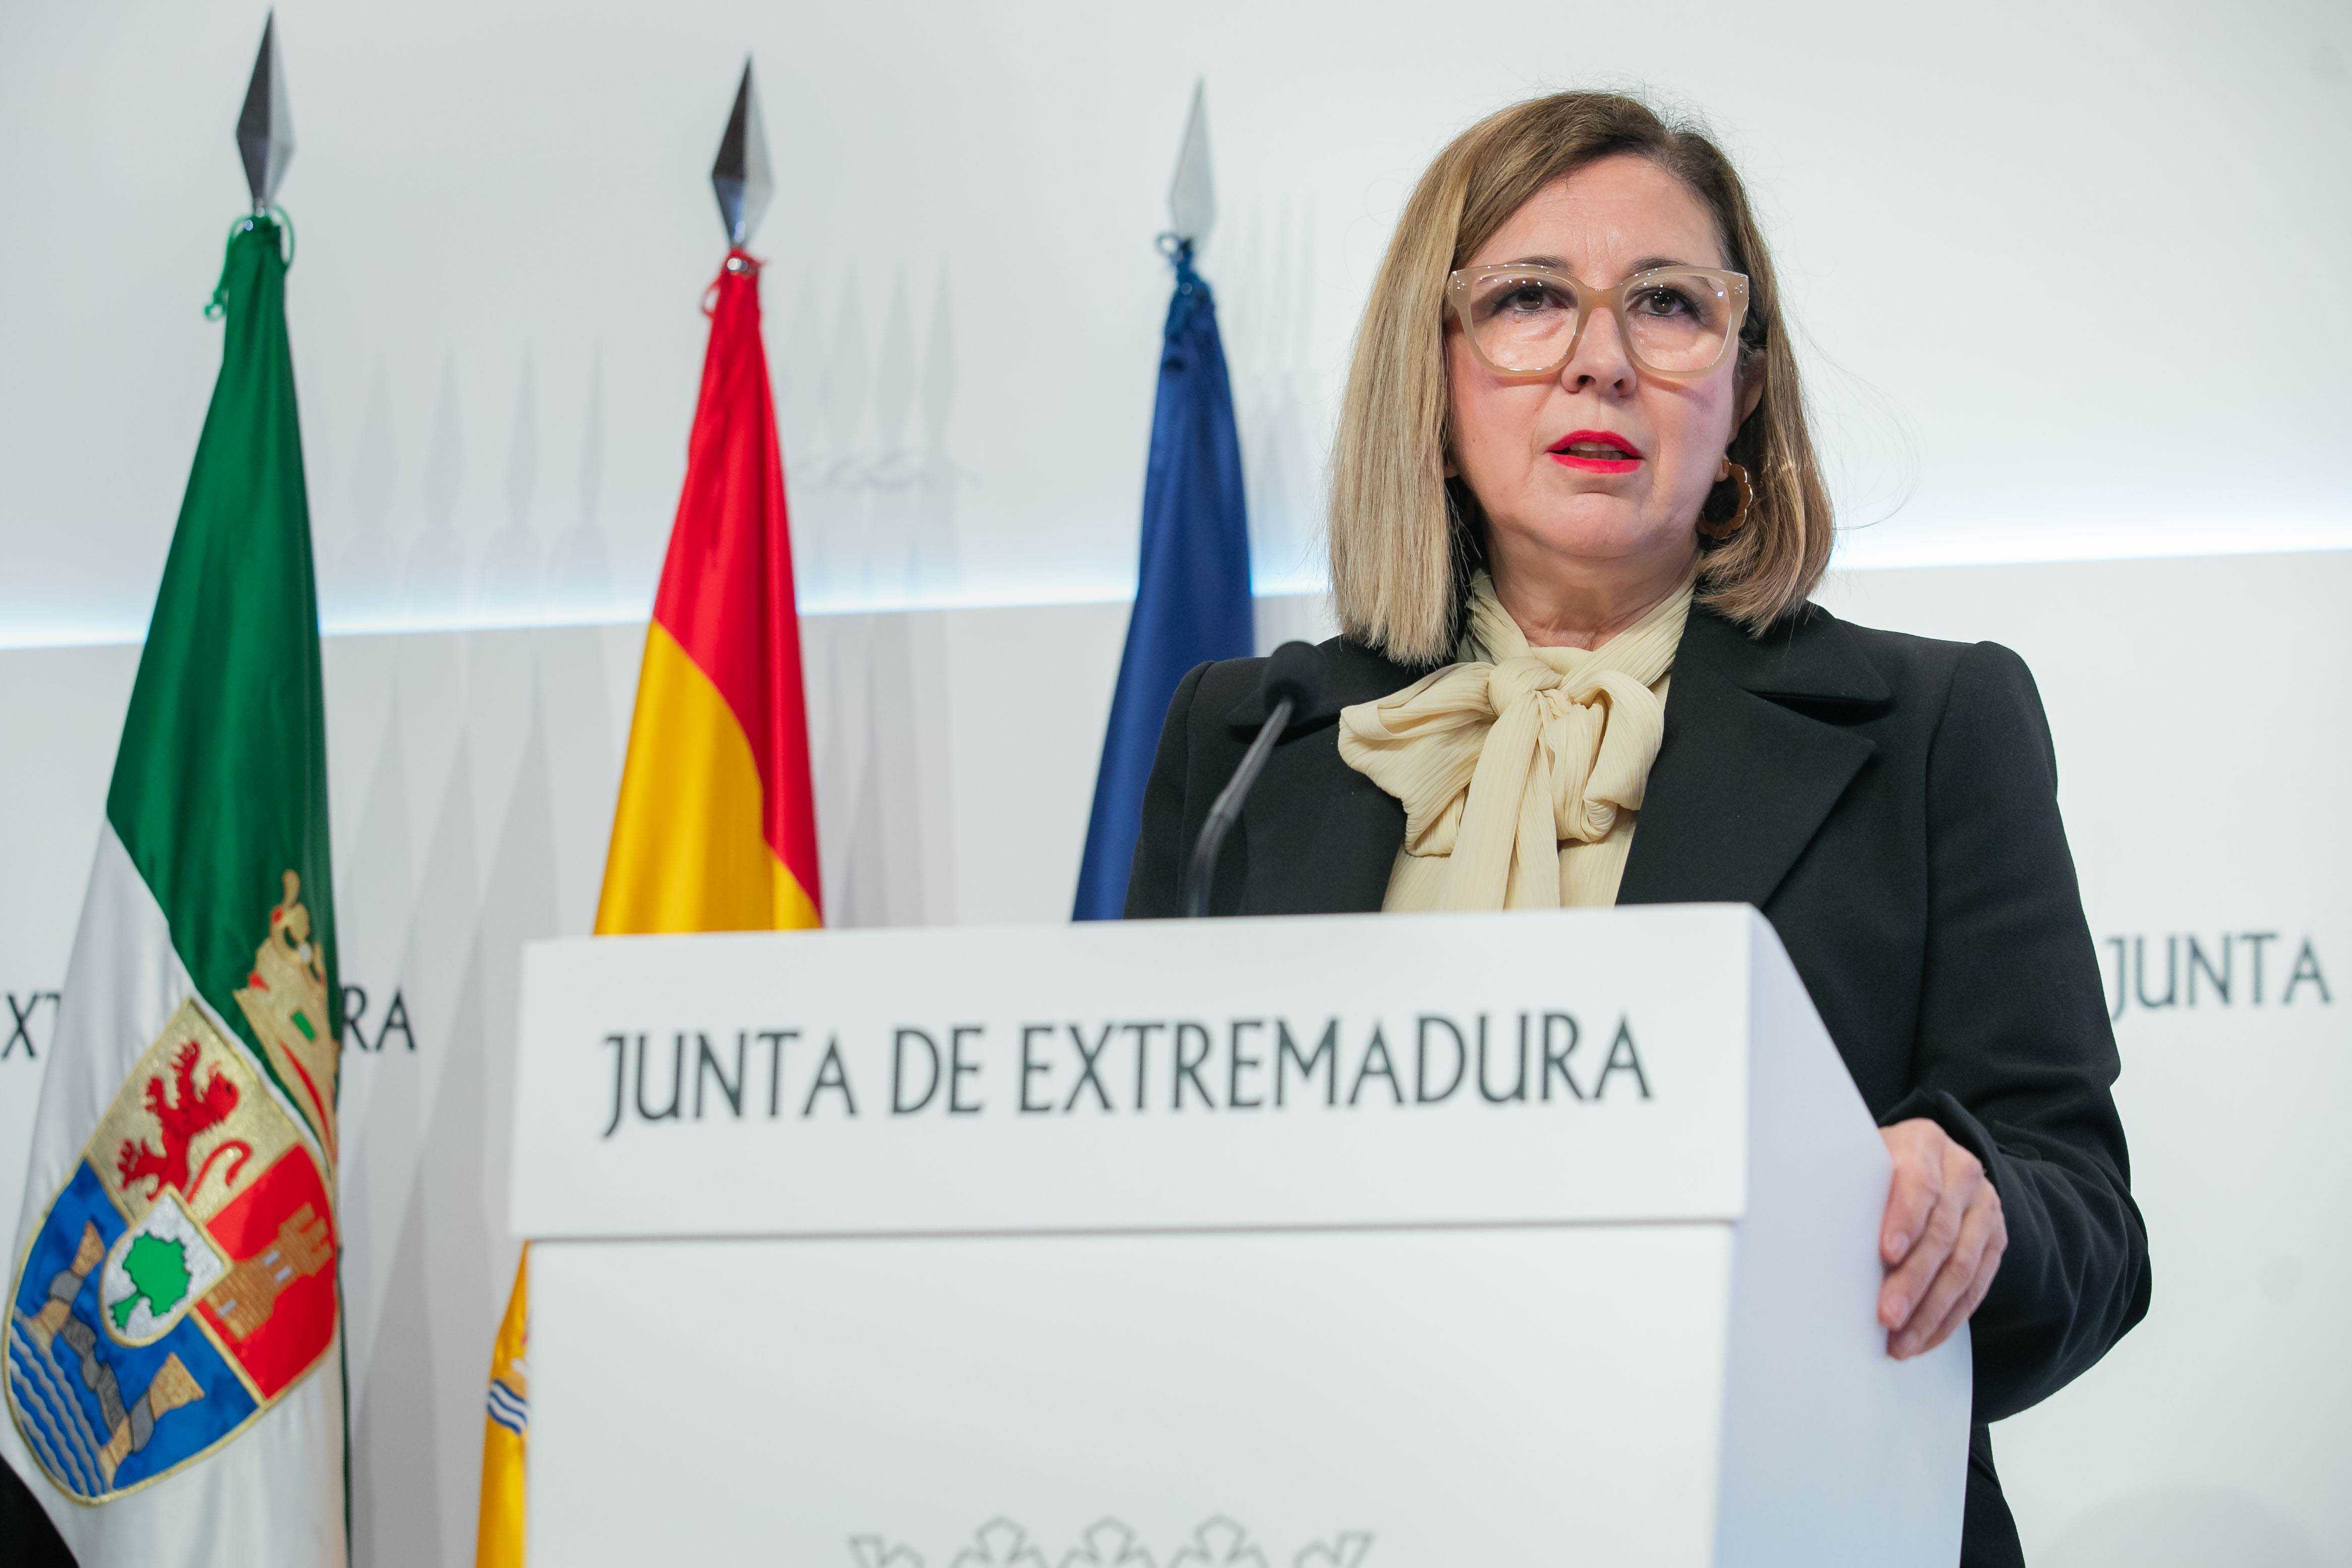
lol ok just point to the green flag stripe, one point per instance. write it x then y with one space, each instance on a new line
220 784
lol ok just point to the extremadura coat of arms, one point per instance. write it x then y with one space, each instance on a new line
183 1278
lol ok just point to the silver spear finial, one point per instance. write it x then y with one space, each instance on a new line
1192 194
264 132
741 176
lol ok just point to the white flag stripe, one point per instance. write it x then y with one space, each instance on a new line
124 984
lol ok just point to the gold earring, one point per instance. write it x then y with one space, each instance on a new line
1719 531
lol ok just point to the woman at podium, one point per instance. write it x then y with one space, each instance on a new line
1575 517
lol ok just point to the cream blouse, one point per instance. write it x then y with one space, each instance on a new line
1521 769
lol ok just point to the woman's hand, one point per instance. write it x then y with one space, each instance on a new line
1941 1240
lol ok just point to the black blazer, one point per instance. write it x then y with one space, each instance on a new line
1890 804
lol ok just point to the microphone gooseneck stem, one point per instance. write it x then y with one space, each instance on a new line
1227 806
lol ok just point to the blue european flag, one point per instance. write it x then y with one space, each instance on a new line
1192 591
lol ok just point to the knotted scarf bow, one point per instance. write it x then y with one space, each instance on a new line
1508 761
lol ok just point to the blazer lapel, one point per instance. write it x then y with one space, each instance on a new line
1322 837
1753 759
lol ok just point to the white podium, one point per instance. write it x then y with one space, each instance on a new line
1428 1241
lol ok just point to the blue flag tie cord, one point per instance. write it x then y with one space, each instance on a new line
1192 588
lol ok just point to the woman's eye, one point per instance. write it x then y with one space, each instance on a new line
1665 302
1524 298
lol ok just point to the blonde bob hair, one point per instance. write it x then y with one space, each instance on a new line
1404 540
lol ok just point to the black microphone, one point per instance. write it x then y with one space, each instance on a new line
1293 678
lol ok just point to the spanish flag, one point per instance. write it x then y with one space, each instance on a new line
715 829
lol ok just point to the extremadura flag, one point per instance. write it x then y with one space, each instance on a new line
174 1315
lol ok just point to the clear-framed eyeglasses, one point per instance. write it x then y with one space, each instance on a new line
1528 321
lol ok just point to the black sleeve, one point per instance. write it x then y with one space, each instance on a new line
1154 882
2015 1054
27 1537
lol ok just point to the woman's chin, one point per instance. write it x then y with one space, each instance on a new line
1594 528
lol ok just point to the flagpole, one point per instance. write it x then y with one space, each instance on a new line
716 824
176 1299
1193 582
265 130
715 828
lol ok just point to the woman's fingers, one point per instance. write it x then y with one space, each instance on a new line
1965 1308
1957 1285
1911 1195
1950 1282
1907 1286
1925 1206
1941 1239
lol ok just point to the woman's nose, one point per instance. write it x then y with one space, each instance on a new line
1600 360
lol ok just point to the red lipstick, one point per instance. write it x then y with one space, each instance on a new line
1596 452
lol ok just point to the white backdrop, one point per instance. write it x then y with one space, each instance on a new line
2053 269
2060 269
2196 706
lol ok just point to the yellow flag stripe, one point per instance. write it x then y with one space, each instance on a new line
689 853
499 1535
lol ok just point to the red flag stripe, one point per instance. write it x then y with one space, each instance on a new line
727 594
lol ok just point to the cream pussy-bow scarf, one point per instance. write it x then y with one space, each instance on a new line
1520 768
